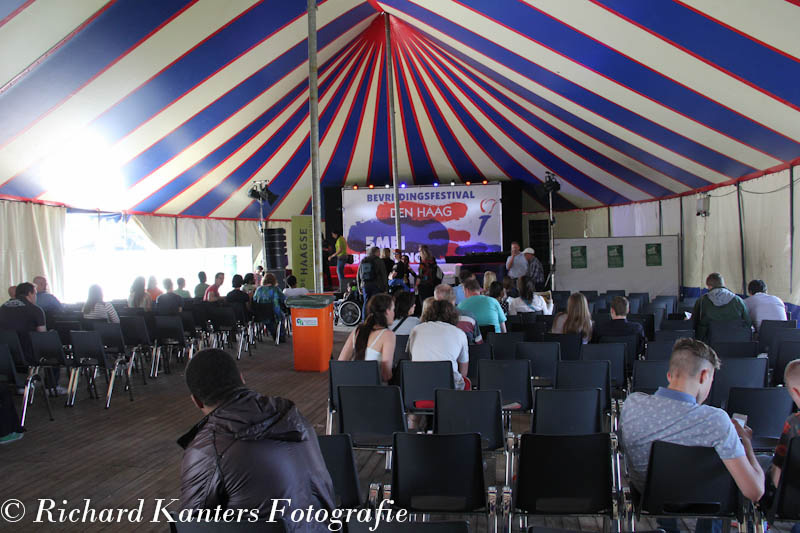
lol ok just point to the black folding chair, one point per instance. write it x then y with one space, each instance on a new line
48 351
767 329
729 331
786 504
400 350
751 372
410 527
419 381
474 411
337 450
567 412
169 336
550 481
543 357
614 353
438 474
788 351
648 322
476 353
504 344
10 341
649 375
736 349
88 345
659 350
672 335
678 325
705 490
364 373
778 337
586 375
631 352
136 337
513 380
766 408
371 415
570 344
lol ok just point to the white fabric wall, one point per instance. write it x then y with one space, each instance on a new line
31 244
671 216
634 220
160 230
205 233
794 297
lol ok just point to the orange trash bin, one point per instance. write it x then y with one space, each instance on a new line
312 331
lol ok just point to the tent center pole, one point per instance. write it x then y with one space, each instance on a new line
313 115
392 132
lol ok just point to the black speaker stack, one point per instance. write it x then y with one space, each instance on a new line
275 244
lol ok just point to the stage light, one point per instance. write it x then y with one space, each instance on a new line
485 182
403 185
452 183
386 186
435 183
259 191
355 187
468 182
371 186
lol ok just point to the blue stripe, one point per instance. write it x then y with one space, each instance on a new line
380 171
245 32
575 93
732 51
113 33
614 65
462 165
9 6
214 198
421 169
598 159
632 151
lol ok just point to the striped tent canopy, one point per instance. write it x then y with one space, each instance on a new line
175 107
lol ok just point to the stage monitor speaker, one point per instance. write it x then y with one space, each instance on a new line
332 210
512 213
275 241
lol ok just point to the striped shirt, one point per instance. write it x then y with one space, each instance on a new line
103 311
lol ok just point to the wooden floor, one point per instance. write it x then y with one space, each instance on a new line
117 457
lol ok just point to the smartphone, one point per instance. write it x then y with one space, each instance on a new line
742 419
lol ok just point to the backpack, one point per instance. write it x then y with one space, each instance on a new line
367 270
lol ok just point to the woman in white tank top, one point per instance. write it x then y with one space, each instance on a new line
372 340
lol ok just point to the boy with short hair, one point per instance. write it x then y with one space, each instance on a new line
791 428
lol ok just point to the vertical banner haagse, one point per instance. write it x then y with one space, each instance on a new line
451 220
303 251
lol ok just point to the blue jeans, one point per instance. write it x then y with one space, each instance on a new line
367 292
340 262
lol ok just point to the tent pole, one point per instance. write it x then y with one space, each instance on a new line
791 230
313 114
680 240
741 235
392 132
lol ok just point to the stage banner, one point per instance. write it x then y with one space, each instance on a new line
451 220
303 251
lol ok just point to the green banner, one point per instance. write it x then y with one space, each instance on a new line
303 250
615 257
652 254
578 256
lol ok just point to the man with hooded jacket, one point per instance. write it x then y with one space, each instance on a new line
249 450
718 304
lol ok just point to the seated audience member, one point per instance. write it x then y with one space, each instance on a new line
718 304
619 326
258 275
212 292
487 311
45 299
762 306
138 298
437 338
466 320
404 307
21 314
248 450
292 289
676 415
791 428
169 303
269 293
577 319
497 292
409 272
373 340
458 290
96 309
400 267
396 283
510 286
9 420
200 288
489 277
237 295
181 290
152 288
12 292
249 284
528 301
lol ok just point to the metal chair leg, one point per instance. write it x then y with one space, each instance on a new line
26 395
110 390
128 382
156 360
72 394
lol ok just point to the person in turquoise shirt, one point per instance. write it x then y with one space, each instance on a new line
487 310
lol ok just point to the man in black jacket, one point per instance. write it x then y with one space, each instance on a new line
619 326
250 451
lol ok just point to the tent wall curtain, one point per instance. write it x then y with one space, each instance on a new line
31 244
160 230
